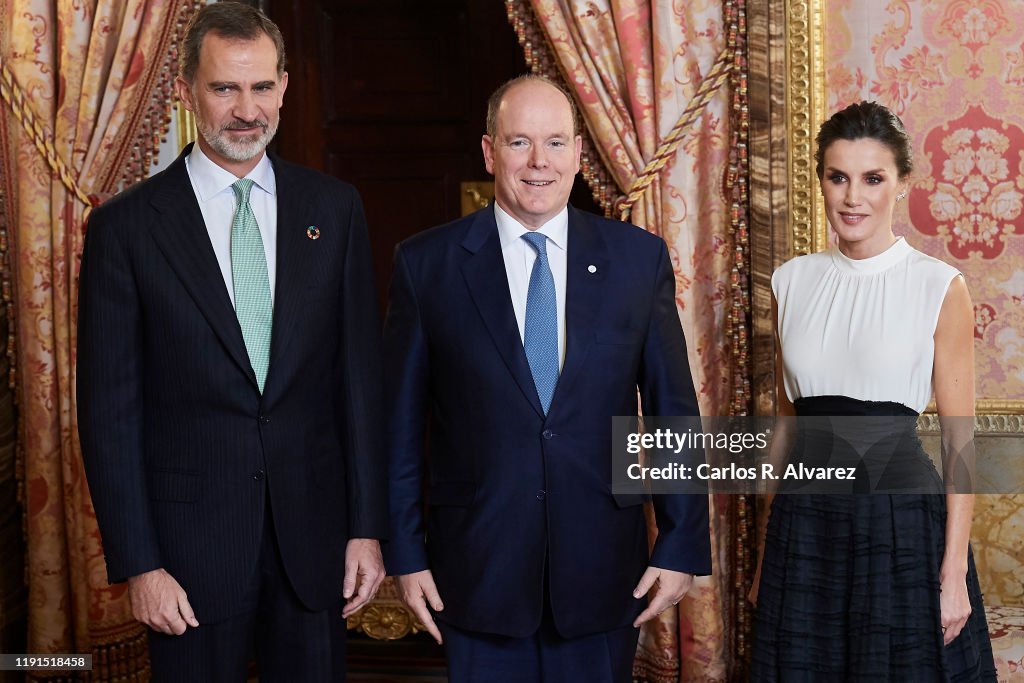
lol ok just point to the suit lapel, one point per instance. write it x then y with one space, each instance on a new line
484 272
185 242
295 212
587 268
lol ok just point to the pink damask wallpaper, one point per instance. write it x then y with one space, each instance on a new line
954 72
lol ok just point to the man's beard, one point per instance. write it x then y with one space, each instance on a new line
238 148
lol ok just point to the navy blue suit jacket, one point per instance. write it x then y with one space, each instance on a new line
181 451
513 494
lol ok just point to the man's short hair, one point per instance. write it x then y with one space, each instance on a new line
494 102
230 20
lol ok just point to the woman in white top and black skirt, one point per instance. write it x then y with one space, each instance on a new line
871 586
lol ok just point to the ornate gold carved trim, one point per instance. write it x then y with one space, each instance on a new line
989 425
385 618
476 195
987 406
186 128
805 104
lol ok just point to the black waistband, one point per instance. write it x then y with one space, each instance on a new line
844 405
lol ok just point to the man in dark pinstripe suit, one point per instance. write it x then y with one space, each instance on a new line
228 384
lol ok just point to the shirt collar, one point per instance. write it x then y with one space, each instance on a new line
209 179
510 230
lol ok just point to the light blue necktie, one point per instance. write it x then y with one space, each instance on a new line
251 283
541 335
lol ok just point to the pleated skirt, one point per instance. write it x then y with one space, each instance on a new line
850 592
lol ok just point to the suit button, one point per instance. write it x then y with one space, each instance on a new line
264 420
542 494
548 434
257 475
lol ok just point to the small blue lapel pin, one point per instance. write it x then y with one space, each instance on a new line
313 232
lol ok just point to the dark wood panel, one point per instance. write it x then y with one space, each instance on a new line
418 138
13 591
391 95
409 194
394 62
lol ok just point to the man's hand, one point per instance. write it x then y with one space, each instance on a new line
755 587
672 586
159 602
416 590
364 572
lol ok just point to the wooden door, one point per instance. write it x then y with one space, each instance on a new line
391 95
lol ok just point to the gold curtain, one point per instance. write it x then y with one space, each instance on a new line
662 89
86 92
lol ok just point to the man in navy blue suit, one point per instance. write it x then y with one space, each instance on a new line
512 337
229 384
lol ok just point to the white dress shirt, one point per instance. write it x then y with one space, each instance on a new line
212 186
519 257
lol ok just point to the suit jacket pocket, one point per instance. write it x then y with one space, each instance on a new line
451 509
174 486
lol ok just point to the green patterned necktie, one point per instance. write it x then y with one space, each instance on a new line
251 284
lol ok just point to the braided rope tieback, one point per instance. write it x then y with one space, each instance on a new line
41 137
716 77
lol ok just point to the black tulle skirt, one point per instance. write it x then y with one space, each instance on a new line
850 586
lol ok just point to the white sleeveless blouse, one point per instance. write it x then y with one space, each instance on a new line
861 328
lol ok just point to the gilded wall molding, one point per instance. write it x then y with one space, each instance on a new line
988 425
186 125
991 406
987 406
805 105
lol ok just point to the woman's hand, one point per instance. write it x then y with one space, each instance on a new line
954 604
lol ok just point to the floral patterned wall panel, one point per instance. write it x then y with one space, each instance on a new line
954 71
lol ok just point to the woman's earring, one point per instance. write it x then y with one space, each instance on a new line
901 196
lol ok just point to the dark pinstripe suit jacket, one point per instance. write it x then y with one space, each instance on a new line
181 451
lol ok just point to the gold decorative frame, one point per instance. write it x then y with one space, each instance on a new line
990 406
805 106
475 195
186 128
993 406
385 618
984 425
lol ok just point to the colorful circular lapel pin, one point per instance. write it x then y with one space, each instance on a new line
313 232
